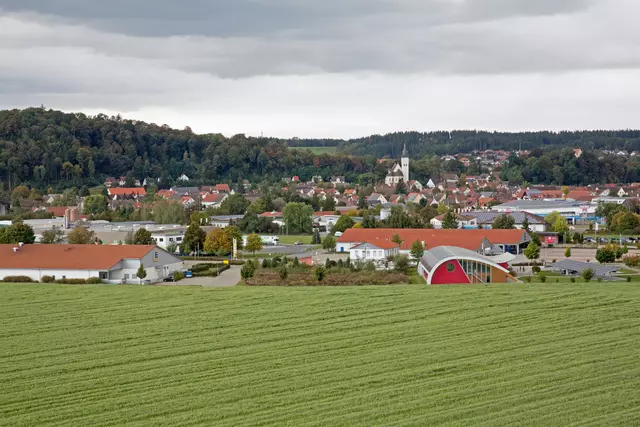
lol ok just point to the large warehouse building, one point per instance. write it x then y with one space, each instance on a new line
480 241
111 263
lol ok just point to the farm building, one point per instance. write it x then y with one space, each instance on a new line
477 240
445 265
111 263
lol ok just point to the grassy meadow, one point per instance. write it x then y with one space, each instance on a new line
318 150
510 355
290 239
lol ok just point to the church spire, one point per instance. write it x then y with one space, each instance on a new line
405 153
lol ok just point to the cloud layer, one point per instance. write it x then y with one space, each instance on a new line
331 68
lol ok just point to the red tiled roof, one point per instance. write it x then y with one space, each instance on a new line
469 239
271 214
57 211
326 213
382 244
213 198
69 257
127 191
222 187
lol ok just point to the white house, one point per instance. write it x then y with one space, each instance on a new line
183 178
214 200
377 251
168 237
111 263
463 221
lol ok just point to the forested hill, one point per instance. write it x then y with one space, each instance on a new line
50 148
46 148
421 144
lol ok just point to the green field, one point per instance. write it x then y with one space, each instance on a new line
292 238
511 355
318 150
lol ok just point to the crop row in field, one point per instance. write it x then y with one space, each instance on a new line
484 355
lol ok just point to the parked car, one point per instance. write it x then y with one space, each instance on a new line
298 242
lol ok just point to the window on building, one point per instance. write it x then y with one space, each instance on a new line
160 239
104 275
178 239
171 239
450 267
126 276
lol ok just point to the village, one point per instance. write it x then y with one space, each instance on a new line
324 219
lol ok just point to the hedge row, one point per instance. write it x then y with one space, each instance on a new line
211 272
17 279
50 279
212 258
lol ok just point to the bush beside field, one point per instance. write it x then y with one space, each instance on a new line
265 277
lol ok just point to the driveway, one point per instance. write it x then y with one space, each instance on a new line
227 278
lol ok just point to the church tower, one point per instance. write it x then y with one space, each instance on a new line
404 162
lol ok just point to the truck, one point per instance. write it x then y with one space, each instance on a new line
266 240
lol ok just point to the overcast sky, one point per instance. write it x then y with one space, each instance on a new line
330 68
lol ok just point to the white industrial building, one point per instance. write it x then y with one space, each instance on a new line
111 263
569 209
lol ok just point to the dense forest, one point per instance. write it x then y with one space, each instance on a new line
45 148
561 167
422 144
50 149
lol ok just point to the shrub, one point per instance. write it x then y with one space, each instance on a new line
319 274
631 260
588 274
369 266
527 279
401 264
178 275
543 278
47 279
599 279
213 271
17 279
573 280
284 273
535 269
247 271
628 279
93 281
266 263
72 281
296 262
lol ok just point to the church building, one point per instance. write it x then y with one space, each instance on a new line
399 172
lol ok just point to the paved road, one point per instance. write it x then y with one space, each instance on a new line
228 278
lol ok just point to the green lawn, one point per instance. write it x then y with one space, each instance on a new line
510 355
97 190
292 238
318 150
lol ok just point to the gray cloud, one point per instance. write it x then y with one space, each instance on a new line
131 55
